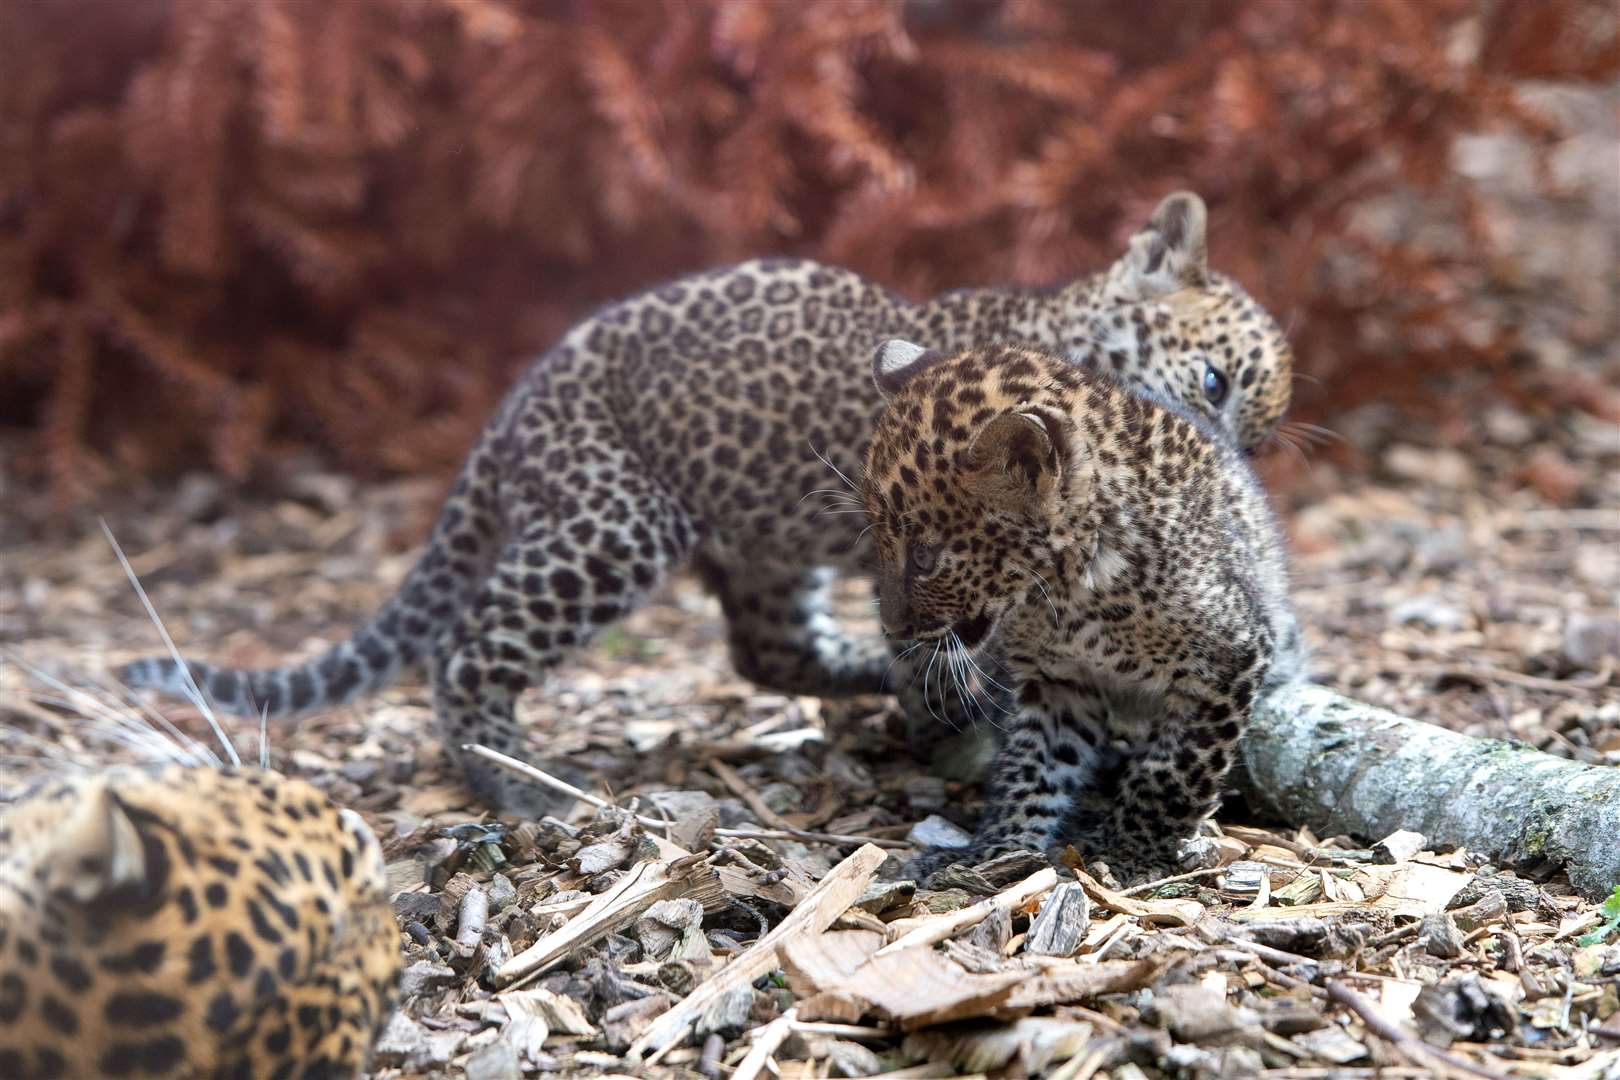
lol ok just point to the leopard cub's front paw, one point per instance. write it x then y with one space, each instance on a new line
987 865
930 861
1130 871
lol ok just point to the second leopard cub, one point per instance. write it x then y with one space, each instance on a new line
1117 553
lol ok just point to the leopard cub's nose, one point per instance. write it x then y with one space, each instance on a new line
895 627
894 611
910 628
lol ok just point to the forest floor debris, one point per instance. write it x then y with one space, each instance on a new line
720 893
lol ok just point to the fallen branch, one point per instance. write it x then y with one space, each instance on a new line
1314 758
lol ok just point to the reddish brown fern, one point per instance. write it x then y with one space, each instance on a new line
232 227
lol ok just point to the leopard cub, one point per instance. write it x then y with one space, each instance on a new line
1117 553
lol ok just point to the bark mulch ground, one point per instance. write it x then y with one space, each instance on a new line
724 898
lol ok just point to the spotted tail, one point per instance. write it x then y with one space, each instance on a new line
403 633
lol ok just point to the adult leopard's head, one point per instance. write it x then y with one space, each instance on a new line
972 478
1161 318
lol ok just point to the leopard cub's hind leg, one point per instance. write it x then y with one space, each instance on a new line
561 577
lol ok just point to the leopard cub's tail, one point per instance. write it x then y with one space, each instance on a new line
403 633
367 662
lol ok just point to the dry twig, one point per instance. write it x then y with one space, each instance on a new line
913 933
1485 673
1411 1047
540 776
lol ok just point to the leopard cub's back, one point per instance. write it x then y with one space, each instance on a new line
190 922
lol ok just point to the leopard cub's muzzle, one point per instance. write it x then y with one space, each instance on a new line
904 620
901 619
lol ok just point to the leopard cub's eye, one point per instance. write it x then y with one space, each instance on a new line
923 558
1215 385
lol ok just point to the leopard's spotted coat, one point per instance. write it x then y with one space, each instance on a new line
188 922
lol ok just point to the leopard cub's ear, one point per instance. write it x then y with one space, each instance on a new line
897 360
1169 253
102 852
1016 462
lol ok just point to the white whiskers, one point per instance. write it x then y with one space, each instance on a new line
1040 583
967 656
913 647
835 494
194 693
854 488
110 721
928 676
110 713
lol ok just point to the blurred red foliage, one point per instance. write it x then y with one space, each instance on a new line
227 228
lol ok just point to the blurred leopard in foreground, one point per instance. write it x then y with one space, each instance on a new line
694 423
190 922
1116 553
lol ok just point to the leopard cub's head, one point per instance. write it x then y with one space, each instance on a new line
972 480
1162 319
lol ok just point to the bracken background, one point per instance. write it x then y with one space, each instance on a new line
234 229
266 265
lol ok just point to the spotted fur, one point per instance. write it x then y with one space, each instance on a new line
190 922
1117 554
688 425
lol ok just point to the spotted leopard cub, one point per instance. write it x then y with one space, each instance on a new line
1116 553
190 922
692 425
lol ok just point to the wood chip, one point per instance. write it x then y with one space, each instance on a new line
1173 912
1440 937
918 987
727 1014
1036 1042
1061 925
825 962
841 887
936 831
841 1008
474 913
1399 846
562 1015
911 933
1073 982
642 886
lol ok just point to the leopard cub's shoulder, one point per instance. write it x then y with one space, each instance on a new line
183 921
